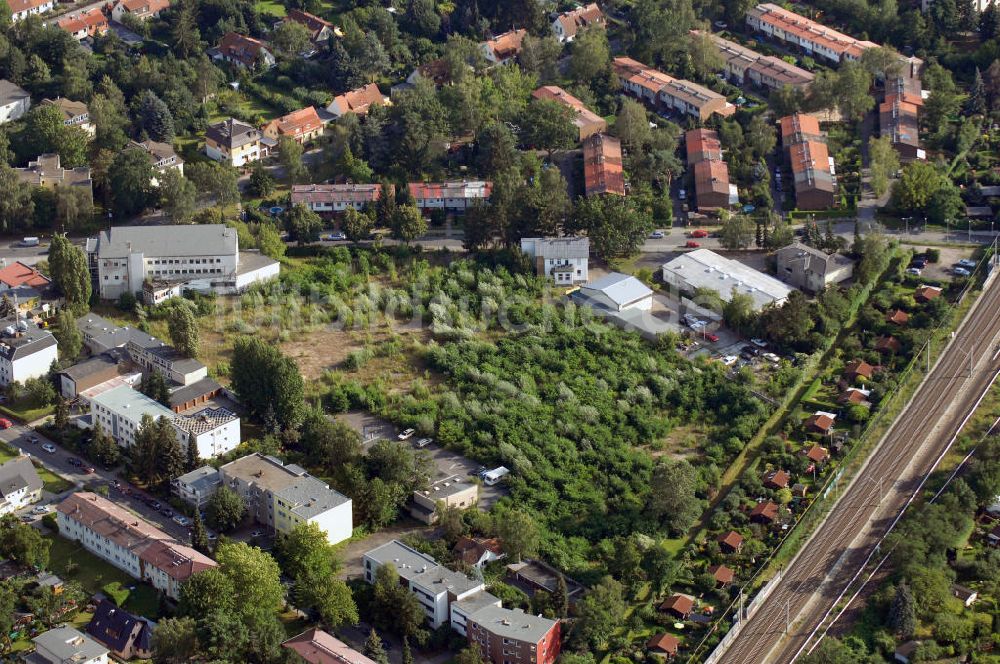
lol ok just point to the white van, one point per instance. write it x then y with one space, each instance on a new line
29 242
491 477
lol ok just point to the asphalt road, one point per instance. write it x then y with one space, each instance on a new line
58 462
824 567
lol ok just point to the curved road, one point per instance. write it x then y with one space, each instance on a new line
829 559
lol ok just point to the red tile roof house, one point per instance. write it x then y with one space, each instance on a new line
764 513
731 542
712 188
889 344
585 120
315 646
568 24
858 370
475 552
320 30
663 644
817 454
810 162
776 479
820 422
723 575
603 172
924 294
357 101
85 24
853 396
897 317
677 605
244 51
17 274
503 48
22 9
140 9
302 126
330 198
455 196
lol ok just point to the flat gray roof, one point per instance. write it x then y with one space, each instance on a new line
702 268
512 623
421 569
200 479
69 645
264 471
89 367
619 288
175 240
126 401
31 339
309 497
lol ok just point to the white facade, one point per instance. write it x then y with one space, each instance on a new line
197 487
215 431
563 260
457 196
26 351
22 9
119 411
34 365
14 110
19 485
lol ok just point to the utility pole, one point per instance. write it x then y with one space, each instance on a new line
928 356
788 616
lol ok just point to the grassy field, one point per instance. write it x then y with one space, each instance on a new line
93 574
271 8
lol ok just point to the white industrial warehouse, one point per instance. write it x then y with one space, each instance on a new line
702 268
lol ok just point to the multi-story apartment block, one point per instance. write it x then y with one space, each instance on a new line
565 260
435 586
26 351
195 488
119 411
215 431
455 196
506 636
233 142
281 496
19 484
202 258
131 544
330 198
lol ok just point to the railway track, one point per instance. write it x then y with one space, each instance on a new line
781 628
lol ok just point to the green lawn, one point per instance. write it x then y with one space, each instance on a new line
271 7
93 574
26 411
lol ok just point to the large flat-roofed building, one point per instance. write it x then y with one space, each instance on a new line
564 260
435 586
703 268
20 484
812 167
585 120
511 636
281 496
47 171
131 544
814 38
712 188
812 269
603 172
203 258
617 292
331 198
120 410
26 350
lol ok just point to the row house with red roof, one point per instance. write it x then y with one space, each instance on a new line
85 24
332 198
455 196
22 9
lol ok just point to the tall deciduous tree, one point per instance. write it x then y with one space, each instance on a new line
175 641
132 176
70 272
16 204
302 224
255 577
184 332
178 195
67 335
269 242
408 223
672 496
883 163
599 613
290 155
616 226
548 125
356 225
267 382
225 510
518 533
590 54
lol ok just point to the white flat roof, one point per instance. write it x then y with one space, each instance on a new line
703 268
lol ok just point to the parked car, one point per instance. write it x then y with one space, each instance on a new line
181 520
424 442
42 509
749 351
405 435
730 360
913 270
919 262
49 447
73 461
682 194
5 423
771 357
961 272
759 343
337 235
169 513
699 232
88 470
691 244
714 338
33 439
154 505
690 320
967 263
656 235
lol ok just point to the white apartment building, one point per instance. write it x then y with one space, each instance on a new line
131 544
22 9
195 488
281 496
26 351
204 258
564 260
19 484
120 410
215 431
435 586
